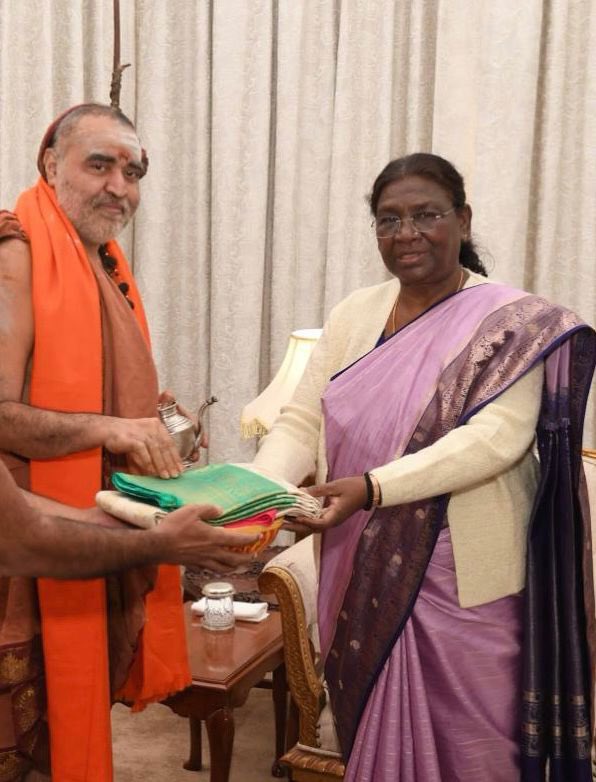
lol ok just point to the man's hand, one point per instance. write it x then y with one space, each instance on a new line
188 540
47 434
344 497
146 442
167 397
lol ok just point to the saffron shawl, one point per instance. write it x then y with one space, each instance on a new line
430 377
66 374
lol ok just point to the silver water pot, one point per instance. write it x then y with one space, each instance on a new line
184 433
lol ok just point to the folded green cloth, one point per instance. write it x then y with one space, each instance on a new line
239 492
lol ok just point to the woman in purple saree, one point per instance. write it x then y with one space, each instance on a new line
455 577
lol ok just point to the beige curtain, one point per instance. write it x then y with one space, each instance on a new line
266 122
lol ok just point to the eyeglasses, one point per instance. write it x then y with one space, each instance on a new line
422 222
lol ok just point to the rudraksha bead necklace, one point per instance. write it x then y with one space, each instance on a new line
110 264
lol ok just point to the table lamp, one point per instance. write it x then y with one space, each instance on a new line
258 416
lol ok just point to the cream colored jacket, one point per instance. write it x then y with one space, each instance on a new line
487 465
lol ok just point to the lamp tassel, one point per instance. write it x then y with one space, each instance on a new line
254 429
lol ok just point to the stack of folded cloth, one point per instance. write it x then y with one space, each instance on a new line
251 501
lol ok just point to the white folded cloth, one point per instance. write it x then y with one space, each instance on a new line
141 514
244 612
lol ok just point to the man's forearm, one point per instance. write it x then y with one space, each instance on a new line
93 515
37 544
43 434
46 434
61 548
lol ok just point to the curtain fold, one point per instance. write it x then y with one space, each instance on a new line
266 123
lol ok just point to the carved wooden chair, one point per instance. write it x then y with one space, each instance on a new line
293 577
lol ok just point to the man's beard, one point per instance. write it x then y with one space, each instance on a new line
93 226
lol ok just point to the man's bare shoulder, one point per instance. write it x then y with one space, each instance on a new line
16 317
10 227
15 262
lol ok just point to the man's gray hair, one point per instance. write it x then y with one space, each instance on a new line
68 123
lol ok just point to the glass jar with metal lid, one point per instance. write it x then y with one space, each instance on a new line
219 606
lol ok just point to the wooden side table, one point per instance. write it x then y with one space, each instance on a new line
224 667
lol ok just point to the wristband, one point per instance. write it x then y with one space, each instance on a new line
370 493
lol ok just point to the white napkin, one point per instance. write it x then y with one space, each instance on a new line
244 612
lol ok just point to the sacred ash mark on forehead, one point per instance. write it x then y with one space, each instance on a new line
114 139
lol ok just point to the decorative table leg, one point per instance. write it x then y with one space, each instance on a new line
280 708
195 760
220 731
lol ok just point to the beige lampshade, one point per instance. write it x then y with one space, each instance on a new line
258 416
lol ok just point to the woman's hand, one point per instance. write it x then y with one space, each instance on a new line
344 497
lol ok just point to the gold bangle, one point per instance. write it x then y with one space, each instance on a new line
377 498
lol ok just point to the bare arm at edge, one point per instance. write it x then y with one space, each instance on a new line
35 544
16 317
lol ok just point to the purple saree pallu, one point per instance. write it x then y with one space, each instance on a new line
378 618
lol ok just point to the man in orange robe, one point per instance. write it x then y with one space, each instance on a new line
73 339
